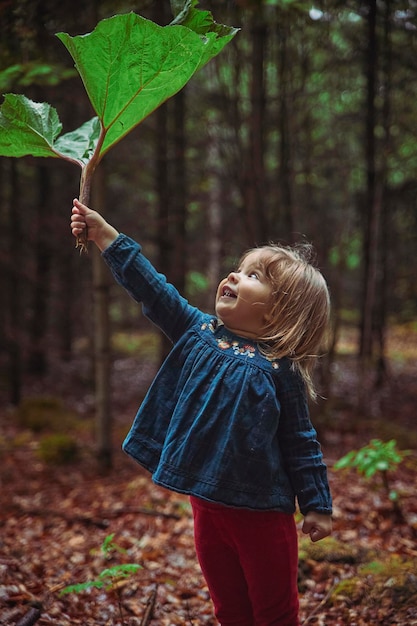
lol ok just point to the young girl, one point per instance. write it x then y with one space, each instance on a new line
226 418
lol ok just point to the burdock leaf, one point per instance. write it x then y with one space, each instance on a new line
130 65
27 127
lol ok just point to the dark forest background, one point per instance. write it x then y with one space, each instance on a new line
303 128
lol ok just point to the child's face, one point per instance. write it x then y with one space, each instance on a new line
243 298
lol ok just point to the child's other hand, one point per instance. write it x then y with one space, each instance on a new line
317 525
98 230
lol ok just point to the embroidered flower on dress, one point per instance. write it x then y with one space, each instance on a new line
243 349
209 325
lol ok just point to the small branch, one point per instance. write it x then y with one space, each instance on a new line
30 618
141 511
150 607
83 519
321 604
100 520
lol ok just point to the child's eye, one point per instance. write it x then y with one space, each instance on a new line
253 275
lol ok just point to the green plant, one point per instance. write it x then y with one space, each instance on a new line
57 449
40 413
377 457
109 577
129 66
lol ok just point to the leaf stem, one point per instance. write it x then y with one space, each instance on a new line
87 172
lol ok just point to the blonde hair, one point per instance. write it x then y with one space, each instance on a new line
298 323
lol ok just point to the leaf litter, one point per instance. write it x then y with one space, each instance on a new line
53 520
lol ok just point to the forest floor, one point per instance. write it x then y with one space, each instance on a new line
55 517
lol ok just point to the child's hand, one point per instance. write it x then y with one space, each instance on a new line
317 525
98 230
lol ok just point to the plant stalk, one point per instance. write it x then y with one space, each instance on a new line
84 197
87 172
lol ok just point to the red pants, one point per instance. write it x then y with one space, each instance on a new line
250 562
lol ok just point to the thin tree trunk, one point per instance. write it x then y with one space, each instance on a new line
373 200
163 203
102 337
14 290
179 192
254 172
164 197
285 159
381 309
171 189
214 213
37 359
162 186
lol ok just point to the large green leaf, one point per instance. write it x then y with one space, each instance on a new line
130 65
27 127
202 22
81 143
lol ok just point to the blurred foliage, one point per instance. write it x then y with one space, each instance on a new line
43 413
387 580
58 449
145 345
377 456
33 73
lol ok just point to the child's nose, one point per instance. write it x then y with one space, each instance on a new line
233 277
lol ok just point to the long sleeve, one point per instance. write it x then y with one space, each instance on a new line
301 451
161 302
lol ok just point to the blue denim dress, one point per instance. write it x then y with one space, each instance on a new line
220 420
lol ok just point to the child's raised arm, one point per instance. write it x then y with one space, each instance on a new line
98 230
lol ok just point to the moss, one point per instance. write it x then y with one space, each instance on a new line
22 439
43 413
395 577
330 550
143 344
350 590
57 449
392 580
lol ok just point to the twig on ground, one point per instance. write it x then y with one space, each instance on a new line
100 520
321 604
30 618
150 607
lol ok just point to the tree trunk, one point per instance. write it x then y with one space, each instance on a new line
171 190
179 192
372 218
102 337
14 286
68 306
285 160
254 170
381 309
214 214
162 180
373 200
38 359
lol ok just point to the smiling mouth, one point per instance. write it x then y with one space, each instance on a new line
228 293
